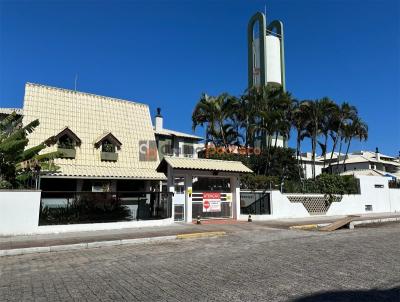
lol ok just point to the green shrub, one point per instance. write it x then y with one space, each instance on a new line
259 182
85 210
328 184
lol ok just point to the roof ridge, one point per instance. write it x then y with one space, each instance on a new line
160 131
87 93
199 158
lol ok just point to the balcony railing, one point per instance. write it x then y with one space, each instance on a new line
109 156
67 152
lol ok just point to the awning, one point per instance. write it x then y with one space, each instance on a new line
202 164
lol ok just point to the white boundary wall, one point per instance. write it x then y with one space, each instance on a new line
47 229
19 215
382 200
281 207
19 212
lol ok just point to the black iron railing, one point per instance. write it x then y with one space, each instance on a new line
94 207
255 203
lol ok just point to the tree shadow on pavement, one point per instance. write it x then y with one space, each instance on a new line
387 295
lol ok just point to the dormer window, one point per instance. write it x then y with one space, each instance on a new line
66 141
108 145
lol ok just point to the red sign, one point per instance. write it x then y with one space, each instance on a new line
212 195
211 202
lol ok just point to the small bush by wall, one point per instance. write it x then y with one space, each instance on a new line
85 210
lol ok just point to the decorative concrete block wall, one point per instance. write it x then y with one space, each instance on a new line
315 204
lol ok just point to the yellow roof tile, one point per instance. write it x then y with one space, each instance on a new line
90 116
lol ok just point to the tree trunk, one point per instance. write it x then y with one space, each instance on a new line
338 158
326 148
314 147
313 141
347 152
207 138
221 129
299 166
247 136
334 144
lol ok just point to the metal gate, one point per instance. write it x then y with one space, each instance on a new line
253 202
212 204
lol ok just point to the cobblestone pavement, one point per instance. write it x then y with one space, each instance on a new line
266 265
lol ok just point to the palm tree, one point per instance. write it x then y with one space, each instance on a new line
329 111
282 105
247 114
357 129
204 115
299 122
346 113
314 112
214 113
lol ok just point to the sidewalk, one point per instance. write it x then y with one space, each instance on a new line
288 222
108 237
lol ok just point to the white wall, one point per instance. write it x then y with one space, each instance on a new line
49 229
394 195
307 168
19 212
382 200
281 207
19 215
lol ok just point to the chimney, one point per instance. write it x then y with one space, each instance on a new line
377 155
158 121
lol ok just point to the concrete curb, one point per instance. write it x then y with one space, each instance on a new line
304 227
352 224
97 244
200 235
381 220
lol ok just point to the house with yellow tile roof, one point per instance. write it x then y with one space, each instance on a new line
106 143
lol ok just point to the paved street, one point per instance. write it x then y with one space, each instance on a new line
262 265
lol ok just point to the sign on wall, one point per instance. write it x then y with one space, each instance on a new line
211 202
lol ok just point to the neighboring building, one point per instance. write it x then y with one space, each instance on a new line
367 162
174 143
106 143
356 163
306 164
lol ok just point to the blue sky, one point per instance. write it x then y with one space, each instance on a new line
166 53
